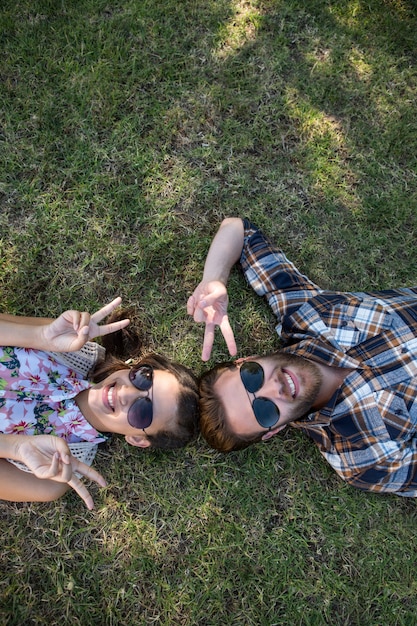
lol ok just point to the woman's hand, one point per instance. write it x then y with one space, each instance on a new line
49 458
71 330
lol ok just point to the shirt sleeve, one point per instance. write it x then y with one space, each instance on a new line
373 447
271 274
83 361
395 473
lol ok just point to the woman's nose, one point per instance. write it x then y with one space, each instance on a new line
130 393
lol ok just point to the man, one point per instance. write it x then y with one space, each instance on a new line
346 375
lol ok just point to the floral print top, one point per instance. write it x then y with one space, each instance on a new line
37 397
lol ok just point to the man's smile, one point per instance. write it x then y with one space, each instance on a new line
290 383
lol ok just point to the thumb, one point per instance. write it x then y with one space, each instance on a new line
190 305
211 298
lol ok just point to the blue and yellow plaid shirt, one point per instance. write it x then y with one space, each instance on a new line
367 432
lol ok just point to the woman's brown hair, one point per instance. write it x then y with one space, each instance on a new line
128 343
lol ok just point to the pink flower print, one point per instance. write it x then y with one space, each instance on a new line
75 422
64 432
67 431
62 409
75 380
78 384
62 386
21 428
35 378
31 362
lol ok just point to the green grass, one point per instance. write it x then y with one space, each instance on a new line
128 131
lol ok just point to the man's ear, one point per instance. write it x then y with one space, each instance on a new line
242 359
140 441
273 432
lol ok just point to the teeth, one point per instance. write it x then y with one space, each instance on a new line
110 397
290 383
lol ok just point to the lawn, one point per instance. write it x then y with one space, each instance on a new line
129 129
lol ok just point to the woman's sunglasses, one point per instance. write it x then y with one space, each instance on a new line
252 376
140 414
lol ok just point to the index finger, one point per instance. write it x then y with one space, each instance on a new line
228 335
88 472
82 491
79 487
106 329
208 341
105 310
190 305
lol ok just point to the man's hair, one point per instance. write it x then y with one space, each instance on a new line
129 342
214 424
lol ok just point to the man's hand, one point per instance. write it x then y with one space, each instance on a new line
210 300
209 304
71 330
49 457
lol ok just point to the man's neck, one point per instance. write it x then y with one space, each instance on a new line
333 378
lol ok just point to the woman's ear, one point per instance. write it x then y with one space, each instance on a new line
140 441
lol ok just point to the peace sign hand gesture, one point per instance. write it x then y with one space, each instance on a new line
49 457
208 304
72 329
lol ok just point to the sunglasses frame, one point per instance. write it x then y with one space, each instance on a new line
143 401
259 403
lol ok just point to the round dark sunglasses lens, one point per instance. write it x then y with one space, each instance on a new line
266 412
141 377
252 376
140 413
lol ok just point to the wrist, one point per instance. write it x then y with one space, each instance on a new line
11 445
216 278
40 336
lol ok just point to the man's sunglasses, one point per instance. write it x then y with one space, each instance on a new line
252 376
140 414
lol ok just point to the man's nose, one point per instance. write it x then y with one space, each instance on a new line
273 388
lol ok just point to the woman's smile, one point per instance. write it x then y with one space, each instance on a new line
109 396
106 404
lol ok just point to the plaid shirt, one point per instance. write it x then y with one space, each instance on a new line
367 432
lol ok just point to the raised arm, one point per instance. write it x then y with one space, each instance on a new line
69 332
209 301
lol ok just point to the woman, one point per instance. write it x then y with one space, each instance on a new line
59 393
